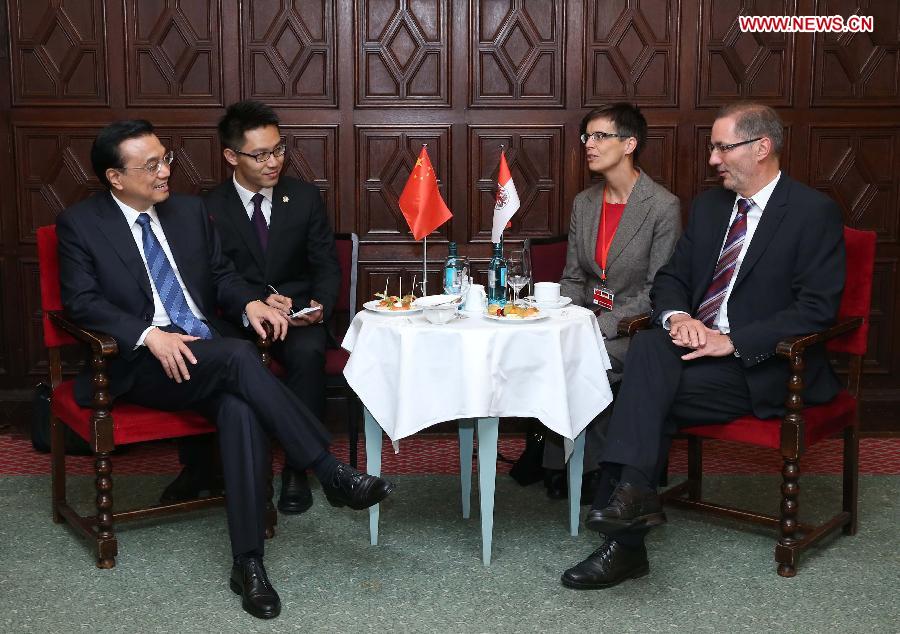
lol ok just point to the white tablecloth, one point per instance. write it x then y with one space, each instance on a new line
411 374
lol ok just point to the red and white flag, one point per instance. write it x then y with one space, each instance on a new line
507 200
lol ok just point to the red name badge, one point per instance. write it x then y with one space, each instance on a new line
604 297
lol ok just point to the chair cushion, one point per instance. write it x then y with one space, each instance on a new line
131 423
821 421
335 360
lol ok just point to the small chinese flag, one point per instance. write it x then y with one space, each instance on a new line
421 201
507 200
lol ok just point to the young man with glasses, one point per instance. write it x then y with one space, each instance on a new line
761 259
147 268
275 230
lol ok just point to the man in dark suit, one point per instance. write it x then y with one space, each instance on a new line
275 231
147 268
761 259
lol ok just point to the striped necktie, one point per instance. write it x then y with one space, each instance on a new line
170 293
725 267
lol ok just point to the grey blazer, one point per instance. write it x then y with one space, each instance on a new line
644 241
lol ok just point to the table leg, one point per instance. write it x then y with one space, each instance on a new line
575 469
466 442
373 467
488 430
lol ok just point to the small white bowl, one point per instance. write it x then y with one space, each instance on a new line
440 314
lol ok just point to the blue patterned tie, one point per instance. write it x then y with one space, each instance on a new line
167 285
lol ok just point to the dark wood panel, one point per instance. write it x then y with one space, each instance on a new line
173 53
312 157
657 158
858 167
858 69
385 158
288 52
58 52
736 65
403 53
535 158
518 49
631 52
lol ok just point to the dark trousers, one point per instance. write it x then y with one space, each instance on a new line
660 393
247 403
302 354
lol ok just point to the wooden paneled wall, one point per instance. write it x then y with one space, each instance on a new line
361 84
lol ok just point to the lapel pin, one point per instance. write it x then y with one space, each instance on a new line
285 199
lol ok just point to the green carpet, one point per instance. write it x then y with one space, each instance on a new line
426 575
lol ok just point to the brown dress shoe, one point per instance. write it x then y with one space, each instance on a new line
609 565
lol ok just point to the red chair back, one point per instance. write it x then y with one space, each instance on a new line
548 257
857 297
48 264
347 246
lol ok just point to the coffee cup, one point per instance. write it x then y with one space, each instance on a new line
546 292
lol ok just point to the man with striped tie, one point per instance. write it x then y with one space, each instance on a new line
762 259
147 268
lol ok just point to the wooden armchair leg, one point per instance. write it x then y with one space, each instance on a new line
851 477
57 466
107 545
695 468
785 551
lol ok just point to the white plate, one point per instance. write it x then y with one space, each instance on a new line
435 300
562 303
375 308
522 320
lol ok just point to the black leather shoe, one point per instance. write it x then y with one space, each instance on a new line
609 565
258 597
349 487
558 486
295 496
557 483
188 486
629 507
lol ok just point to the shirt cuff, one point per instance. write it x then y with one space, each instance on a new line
143 336
664 319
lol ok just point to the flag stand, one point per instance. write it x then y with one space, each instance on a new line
425 266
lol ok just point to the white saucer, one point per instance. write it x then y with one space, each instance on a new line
562 303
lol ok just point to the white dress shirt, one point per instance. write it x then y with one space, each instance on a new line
760 200
246 195
160 316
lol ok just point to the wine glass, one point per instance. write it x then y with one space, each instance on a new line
456 275
518 272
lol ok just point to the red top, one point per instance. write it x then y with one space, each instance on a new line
610 215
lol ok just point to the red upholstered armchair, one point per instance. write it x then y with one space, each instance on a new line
347 247
104 425
548 257
802 426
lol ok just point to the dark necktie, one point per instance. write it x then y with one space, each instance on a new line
715 294
170 293
259 221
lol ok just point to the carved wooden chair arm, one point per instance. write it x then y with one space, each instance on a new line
630 325
99 342
789 348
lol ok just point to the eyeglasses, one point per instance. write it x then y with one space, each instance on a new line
153 167
599 136
262 157
722 149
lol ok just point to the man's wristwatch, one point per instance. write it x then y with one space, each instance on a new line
736 353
